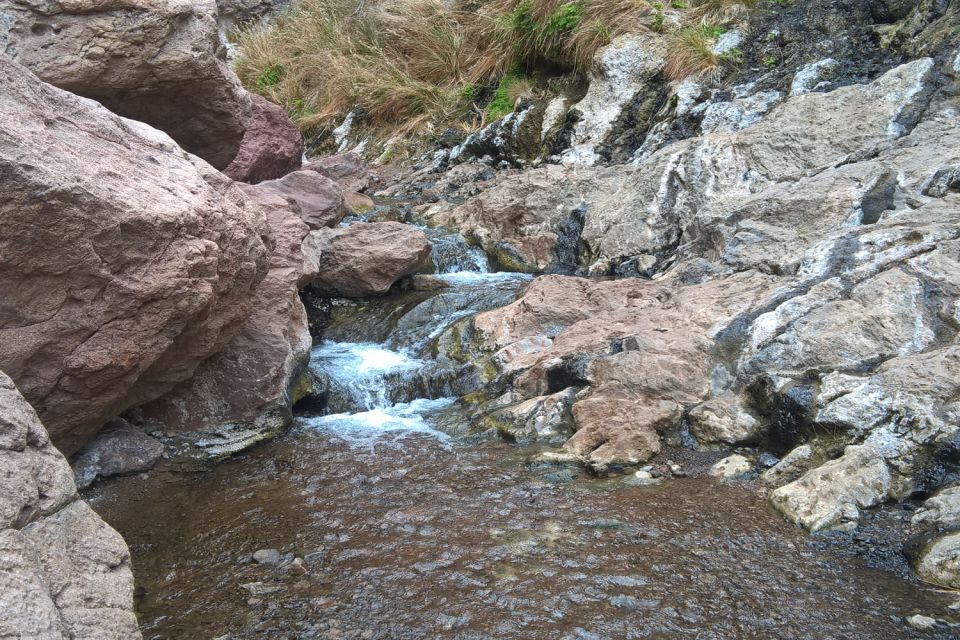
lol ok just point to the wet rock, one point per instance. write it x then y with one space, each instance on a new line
267 556
250 387
538 418
365 259
316 199
938 562
66 573
731 467
625 69
791 466
940 510
271 147
119 449
156 61
513 139
813 77
723 420
922 623
136 278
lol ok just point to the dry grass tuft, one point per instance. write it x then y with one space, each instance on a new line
409 67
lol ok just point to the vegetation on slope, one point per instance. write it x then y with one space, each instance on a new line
419 66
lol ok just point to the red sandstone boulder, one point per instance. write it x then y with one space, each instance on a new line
365 259
157 61
316 199
250 387
124 261
272 145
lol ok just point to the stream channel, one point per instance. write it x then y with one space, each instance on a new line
393 519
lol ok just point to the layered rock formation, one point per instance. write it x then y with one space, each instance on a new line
156 61
805 282
121 275
66 573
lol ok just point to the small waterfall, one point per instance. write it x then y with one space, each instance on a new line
394 386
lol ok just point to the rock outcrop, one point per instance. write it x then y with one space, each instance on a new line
246 393
124 263
66 573
365 259
156 61
805 282
271 147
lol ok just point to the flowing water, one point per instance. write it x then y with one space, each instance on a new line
389 527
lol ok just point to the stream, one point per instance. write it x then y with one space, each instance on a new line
384 515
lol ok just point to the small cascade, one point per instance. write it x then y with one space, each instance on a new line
393 386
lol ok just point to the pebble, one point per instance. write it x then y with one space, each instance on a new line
731 467
921 623
267 556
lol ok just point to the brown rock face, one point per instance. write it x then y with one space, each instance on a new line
643 348
316 199
124 261
366 259
255 380
66 573
272 145
157 61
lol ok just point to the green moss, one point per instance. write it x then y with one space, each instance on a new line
501 104
564 19
269 77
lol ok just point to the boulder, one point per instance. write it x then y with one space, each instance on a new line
938 561
157 61
272 145
119 449
246 393
66 573
315 198
365 259
940 510
118 277
640 349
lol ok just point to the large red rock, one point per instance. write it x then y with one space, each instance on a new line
315 198
365 259
252 384
124 261
157 61
272 145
